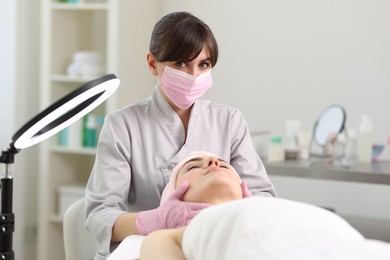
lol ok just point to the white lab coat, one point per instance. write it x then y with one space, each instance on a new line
141 143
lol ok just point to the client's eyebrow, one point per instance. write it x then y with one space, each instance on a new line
219 159
197 159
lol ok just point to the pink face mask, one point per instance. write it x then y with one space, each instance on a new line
184 89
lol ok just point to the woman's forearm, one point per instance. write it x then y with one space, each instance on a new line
124 226
163 245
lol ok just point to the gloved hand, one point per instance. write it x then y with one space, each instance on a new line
245 191
172 213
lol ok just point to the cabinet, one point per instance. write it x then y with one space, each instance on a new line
65 29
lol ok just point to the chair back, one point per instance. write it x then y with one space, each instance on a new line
78 242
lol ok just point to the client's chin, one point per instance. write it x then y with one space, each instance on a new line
215 191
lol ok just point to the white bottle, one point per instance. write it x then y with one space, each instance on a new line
75 134
276 150
91 131
364 142
351 147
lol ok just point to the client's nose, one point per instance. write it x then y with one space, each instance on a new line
214 161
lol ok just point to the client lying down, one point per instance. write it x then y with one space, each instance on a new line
251 228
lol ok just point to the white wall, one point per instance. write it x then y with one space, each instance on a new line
27 93
7 70
18 103
290 59
135 26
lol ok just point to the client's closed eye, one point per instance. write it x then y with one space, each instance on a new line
192 167
224 165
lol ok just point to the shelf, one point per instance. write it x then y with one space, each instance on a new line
67 28
79 6
66 79
73 150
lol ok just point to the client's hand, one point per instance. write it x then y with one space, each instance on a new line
172 213
245 191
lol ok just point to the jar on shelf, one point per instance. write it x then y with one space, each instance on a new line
276 150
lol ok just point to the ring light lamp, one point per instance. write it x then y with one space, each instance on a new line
50 121
65 111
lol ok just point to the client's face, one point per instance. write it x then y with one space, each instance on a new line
211 180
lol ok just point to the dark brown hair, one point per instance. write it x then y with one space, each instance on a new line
180 36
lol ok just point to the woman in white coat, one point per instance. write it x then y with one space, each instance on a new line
141 143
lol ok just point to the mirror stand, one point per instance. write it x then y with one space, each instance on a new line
328 132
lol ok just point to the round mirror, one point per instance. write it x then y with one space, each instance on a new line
331 120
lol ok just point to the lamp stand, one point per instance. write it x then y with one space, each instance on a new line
7 217
50 121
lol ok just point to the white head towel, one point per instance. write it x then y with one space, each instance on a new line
171 185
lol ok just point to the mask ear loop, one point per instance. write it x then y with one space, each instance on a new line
157 74
162 66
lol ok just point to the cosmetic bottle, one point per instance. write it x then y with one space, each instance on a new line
276 150
75 134
63 137
304 141
364 142
350 156
90 131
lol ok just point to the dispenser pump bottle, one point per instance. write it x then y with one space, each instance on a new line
90 131
364 144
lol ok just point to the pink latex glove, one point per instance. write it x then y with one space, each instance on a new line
245 191
172 213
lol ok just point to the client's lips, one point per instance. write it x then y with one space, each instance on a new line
213 169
